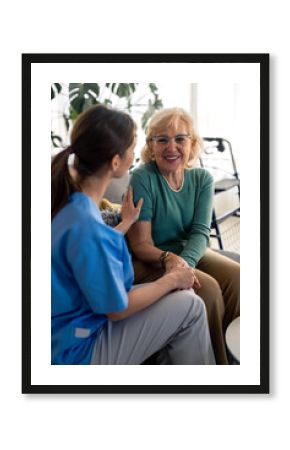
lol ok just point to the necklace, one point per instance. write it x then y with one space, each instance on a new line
174 190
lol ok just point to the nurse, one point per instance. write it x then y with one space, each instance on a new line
97 318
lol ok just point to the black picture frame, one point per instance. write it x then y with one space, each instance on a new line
248 58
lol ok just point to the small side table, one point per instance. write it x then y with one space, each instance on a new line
233 338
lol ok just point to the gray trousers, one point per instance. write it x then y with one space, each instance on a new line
175 326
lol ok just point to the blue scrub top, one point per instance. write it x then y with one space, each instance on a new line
91 273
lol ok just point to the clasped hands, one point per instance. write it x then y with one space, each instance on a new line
174 262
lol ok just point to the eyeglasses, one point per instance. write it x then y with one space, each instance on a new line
180 139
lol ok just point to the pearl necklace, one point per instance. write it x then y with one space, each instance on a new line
174 190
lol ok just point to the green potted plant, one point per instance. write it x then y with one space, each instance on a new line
141 99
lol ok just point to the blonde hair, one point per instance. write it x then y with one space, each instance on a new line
170 117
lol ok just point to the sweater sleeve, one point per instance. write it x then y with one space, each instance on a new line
198 235
142 189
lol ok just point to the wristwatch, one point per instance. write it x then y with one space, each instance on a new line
163 257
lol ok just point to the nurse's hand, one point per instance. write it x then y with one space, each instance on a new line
184 278
129 212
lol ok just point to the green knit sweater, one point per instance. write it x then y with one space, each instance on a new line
180 220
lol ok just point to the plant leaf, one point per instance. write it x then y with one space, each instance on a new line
153 88
73 114
92 87
66 121
158 103
123 90
56 140
83 95
133 86
55 89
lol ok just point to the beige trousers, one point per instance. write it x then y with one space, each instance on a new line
220 290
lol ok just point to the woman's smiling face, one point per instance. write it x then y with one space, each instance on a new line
170 148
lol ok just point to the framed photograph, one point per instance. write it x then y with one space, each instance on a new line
227 95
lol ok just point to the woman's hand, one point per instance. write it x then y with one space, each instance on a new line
174 262
129 212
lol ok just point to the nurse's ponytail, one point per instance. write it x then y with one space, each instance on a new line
62 183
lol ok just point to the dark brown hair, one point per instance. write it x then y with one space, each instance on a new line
98 134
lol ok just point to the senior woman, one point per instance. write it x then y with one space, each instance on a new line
174 223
